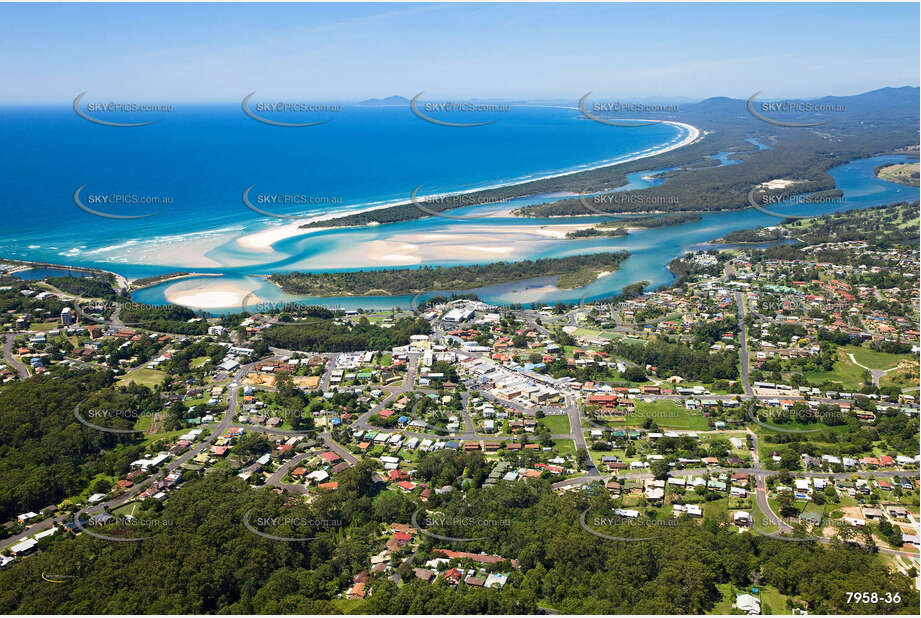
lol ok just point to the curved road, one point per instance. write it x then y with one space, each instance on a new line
8 340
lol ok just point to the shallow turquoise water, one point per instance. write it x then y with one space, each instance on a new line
650 250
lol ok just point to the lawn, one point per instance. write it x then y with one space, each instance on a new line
348 606
717 509
143 422
876 360
724 605
772 601
906 377
143 377
166 435
43 326
126 509
565 447
761 521
847 373
667 414
557 424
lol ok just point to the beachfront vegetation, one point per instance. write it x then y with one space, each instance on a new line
429 278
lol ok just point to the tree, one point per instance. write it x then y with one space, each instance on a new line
659 469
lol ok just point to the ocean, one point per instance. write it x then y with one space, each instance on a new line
199 160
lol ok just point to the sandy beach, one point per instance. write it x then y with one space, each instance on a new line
207 295
263 240
468 243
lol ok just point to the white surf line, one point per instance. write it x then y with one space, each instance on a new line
295 229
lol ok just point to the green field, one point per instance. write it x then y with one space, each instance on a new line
143 377
43 326
876 360
565 447
772 601
348 606
847 373
556 424
143 422
761 522
717 509
668 415
724 605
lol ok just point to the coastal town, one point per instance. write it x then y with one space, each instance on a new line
778 397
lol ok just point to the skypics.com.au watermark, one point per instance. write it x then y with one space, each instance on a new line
110 522
261 111
600 112
120 203
796 529
791 415
260 202
425 523
95 310
760 111
653 414
464 109
254 525
434 205
624 518
594 202
117 109
763 199
86 417
252 304
276 417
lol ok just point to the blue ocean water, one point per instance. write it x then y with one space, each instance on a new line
202 158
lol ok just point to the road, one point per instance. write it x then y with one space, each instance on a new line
8 340
572 410
217 430
875 374
743 345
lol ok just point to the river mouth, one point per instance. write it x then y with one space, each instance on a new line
650 249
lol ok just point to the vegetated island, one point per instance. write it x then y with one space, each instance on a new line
902 173
572 271
146 282
620 227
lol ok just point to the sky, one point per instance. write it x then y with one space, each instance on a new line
346 52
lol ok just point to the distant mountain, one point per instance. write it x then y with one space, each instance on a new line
876 103
388 102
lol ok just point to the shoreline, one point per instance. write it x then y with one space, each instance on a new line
122 281
167 279
262 241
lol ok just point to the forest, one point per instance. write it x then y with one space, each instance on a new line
203 560
46 455
697 364
429 278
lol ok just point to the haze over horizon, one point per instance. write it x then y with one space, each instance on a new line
220 52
